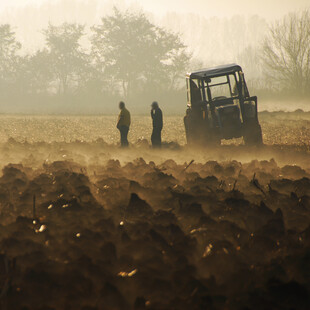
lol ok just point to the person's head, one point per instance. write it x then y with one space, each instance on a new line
155 105
121 105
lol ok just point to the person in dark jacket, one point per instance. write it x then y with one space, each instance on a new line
157 117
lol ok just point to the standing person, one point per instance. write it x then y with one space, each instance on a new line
157 117
123 124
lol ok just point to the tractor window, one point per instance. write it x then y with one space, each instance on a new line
234 85
221 87
245 91
188 92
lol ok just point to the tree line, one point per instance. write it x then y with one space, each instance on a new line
128 56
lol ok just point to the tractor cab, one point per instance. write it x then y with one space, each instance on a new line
219 106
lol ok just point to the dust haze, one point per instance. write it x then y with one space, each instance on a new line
121 228
87 225
211 34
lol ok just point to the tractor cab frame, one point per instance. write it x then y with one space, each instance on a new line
219 106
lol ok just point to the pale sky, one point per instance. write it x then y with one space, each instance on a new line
266 8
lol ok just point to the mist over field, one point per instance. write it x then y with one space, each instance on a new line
210 34
198 201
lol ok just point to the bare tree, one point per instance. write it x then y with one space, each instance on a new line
286 52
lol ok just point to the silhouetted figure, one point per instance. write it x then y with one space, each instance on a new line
123 124
157 117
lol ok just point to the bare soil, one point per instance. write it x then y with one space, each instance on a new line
87 225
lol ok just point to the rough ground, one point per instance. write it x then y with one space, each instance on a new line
138 229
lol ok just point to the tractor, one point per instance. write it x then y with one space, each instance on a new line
219 106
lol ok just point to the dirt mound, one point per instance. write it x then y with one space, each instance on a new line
210 235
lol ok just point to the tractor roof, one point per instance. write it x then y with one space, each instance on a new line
215 71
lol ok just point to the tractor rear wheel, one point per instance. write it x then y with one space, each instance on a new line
253 135
190 129
198 133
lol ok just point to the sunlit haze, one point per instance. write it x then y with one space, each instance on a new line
154 154
211 33
207 8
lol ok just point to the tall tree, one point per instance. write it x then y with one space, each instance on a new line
135 52
66 57
9 58
35 74
286 52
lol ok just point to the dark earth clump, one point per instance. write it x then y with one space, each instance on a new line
218 235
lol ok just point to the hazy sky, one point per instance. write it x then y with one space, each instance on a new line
267 8
207 8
